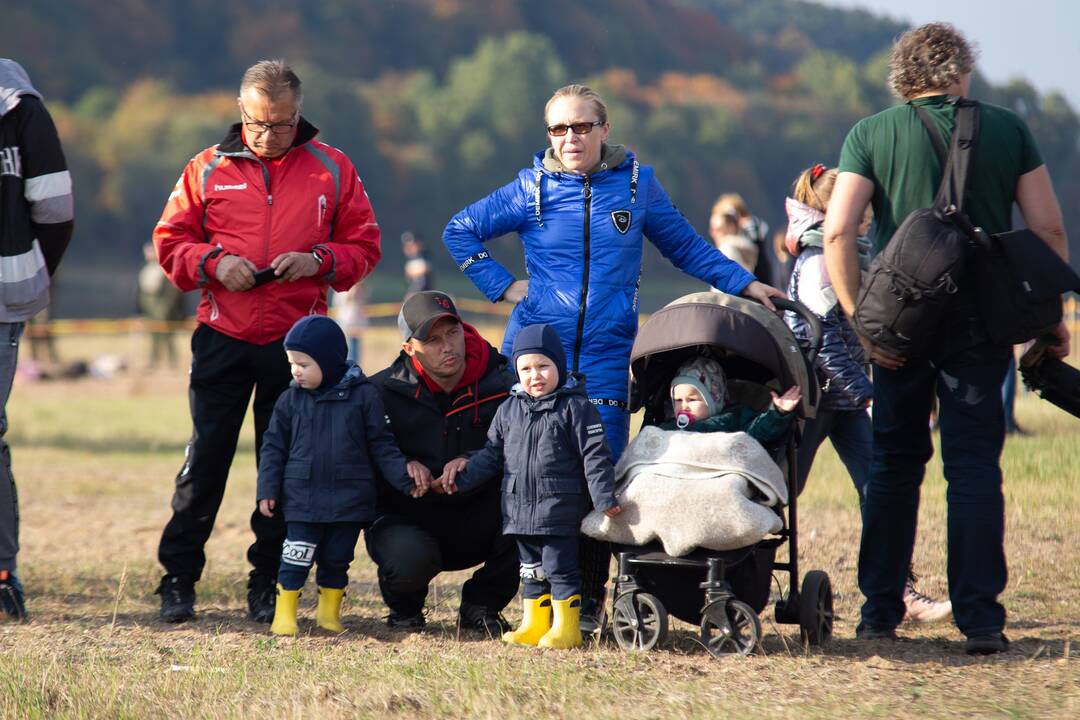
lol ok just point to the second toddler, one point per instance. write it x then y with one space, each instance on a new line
548 443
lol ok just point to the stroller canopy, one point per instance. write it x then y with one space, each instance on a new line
735 325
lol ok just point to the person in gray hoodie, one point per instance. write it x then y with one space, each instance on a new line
36 222
548 443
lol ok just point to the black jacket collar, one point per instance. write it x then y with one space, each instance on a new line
233 142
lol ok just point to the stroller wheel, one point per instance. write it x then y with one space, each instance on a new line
730 628
640 621
816 608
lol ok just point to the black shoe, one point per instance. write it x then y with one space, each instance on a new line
865 632
986 644
177 598
593 615
408 623
479 617
261 596
12 598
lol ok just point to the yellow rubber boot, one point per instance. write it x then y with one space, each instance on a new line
285 612
328 612
565 631
535 622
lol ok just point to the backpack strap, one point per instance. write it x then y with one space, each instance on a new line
957 162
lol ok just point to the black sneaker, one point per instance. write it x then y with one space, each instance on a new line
986 644
177 598
408 623
865 632
593 615
261 597
12 598
479 617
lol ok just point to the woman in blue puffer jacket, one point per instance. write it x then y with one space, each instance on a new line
581 211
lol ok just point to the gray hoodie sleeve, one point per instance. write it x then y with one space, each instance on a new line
587 430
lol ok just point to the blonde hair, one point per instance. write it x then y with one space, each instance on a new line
815 192
928 58
272 78
581 92
731 203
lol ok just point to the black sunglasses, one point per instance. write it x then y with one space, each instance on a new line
582 128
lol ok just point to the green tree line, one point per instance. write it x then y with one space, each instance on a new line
440 102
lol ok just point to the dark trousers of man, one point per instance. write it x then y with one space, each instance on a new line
968 386
223 372
549 563
10 333
330 546
410 552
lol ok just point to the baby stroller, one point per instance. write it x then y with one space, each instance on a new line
722 591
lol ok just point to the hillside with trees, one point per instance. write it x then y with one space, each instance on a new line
440 101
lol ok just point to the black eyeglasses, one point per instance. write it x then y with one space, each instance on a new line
258 128
582 128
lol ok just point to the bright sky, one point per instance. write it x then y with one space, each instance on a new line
1038 40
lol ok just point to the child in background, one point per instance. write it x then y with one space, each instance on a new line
700 404
846 390
327 435
548 443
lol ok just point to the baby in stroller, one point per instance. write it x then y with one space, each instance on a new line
722 502
700 404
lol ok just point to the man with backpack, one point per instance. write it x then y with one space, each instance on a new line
889 160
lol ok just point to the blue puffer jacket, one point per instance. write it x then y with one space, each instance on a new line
583 243
841 361
318 454
552 456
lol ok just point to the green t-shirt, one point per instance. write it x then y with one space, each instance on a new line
893 149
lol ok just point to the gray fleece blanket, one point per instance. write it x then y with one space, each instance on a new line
690 490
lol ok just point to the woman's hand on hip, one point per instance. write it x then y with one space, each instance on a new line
516 292
761 292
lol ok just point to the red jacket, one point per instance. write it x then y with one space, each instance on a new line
229 201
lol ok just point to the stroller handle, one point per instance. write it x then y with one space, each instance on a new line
811 320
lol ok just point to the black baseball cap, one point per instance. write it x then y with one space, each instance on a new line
423 310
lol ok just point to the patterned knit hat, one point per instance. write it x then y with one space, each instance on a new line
708 377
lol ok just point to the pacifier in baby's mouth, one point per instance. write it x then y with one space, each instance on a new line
683 419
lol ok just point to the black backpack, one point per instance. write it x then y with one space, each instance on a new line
914 278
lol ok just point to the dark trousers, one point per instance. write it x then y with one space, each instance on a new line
852 437
223 372
330 546
968 388
10 333
411 551
549 563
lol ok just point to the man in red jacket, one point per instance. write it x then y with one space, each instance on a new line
267 197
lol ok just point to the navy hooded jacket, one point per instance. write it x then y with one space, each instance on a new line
583 246
319 454
553 456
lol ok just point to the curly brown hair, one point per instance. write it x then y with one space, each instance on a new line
928 58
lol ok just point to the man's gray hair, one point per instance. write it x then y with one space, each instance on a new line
272 78
929 58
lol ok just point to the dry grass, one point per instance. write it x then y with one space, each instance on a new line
95 462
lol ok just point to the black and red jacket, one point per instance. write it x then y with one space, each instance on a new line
436 427
230 201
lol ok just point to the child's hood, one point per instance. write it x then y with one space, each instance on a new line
575 385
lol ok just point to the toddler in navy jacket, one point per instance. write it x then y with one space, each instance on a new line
317 466
548 443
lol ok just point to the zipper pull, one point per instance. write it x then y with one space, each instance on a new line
588 188
269 199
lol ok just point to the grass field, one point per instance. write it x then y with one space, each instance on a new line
95 460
